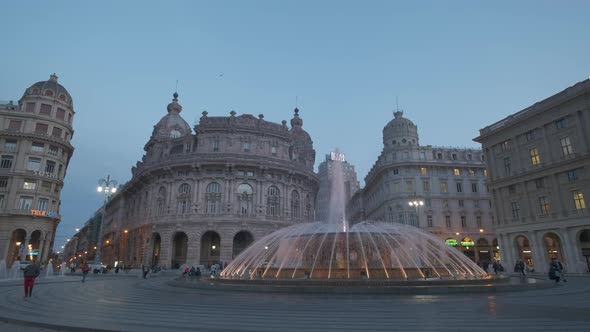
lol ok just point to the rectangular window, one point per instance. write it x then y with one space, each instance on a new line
478 221
429 221
443 187
469 157
426 186
566 146
474 187
540 183
512 189
457 172
428 202
14 125
476 203
10 145
445 203
50 166
273 150
59 169
25 203
1 201
409 186
579 200
215 146
561 123
461 203
544 206
246 146
471 172
423 170
515 210
485 173
448 221
459 187
3 182
45 110
505 146
41 128
30 107
463 222
423 155
34 164
42 204
572 175
37 147
395 171
454 156
60 114
6 161
30 184
439 156
250 173
46 186
535 159
396 187
529 136
56 132
53 150
507 166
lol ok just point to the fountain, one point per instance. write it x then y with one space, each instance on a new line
49 272
3 271
62 270
333 250
15 272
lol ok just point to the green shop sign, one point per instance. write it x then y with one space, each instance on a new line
467 242
451 242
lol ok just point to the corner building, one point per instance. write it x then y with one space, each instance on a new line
203 197
451 183
35 150
539 161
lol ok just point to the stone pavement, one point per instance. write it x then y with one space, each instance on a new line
133 304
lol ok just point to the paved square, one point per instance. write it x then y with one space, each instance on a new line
133 304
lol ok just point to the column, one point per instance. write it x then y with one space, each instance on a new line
538 249
506 251
226 244
23 254
193 253
583 131
165 250
569 245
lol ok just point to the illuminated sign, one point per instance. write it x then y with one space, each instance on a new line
451 242
44 213
467 242
337 156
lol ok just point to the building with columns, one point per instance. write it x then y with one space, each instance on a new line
539 177
202 197
35 151
448 184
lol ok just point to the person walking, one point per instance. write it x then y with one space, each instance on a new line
85 270
561 270
31 272
145 271
554 271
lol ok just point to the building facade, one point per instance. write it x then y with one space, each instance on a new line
35 150
450 183
203 197
538 161
335 168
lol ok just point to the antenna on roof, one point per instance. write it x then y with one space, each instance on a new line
296 101
176 87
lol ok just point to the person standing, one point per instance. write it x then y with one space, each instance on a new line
85 270
145 271
554 271
31 272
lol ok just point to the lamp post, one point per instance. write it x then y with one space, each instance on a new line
416 203
107 187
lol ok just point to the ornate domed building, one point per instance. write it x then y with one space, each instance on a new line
35 150
202 197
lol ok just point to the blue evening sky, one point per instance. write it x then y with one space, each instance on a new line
456 66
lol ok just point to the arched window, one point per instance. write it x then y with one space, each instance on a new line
62 97
49 93
245 199
184 199
273 202
213 196
161 201
295 205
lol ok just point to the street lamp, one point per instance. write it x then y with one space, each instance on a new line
107 187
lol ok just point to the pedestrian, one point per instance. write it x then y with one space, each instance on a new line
198 272
561 270
85 270
554 271
495 267
145 271
519 267
31 272
185 272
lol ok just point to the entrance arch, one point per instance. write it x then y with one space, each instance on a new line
210 248
523 249
584 242
17 246
179 249
157 240
242 240
483 251
553 247
33 249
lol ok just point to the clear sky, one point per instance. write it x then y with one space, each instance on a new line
456 66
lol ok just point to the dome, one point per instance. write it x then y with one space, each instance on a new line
366 251
172 125
49 88
400 131
296 130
